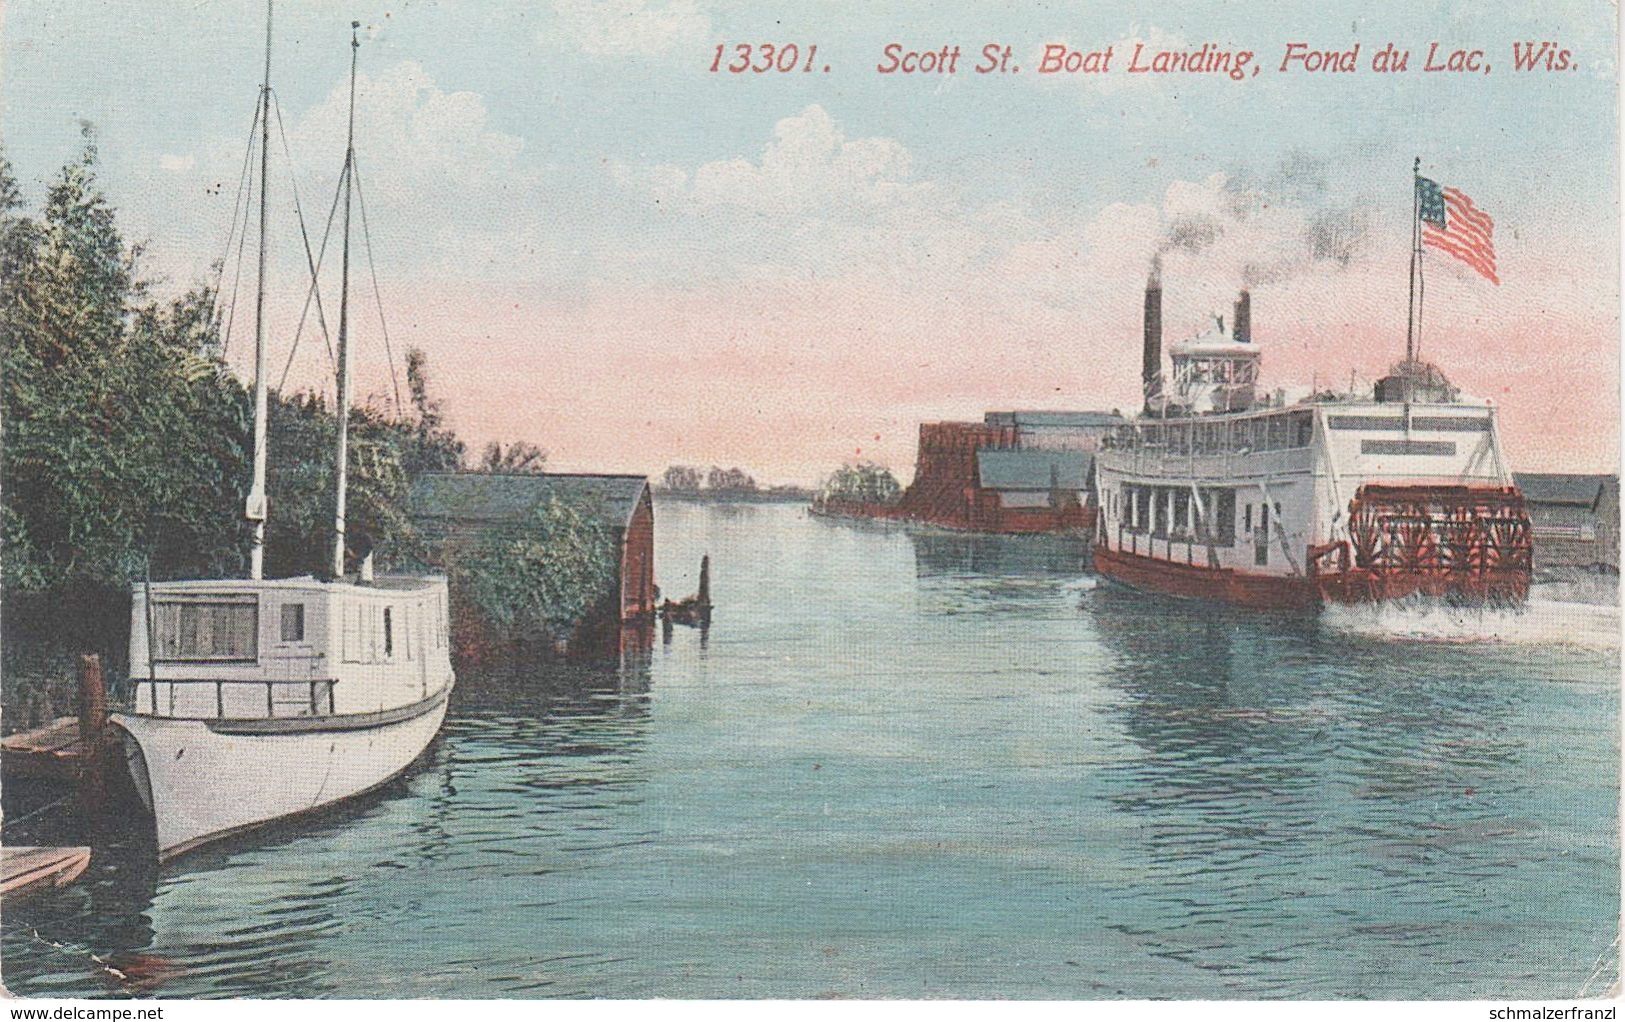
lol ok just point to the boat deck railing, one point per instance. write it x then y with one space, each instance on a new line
1159 463
311 698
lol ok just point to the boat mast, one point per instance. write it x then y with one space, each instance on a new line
255 511
344 324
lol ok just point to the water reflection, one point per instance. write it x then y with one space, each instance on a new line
266 912
938 553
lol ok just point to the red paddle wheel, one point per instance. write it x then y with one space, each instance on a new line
1466 544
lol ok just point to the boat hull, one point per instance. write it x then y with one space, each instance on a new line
204 780
1287 594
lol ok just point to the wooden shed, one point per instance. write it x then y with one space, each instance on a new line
1575 517
452 508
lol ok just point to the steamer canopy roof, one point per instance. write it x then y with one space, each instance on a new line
1033 469
1560 487
493 498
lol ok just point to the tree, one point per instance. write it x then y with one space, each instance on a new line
124 432
862 483
434 448
729 481
681 479
518 457
537 580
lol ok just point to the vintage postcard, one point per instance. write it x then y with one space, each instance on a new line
650 499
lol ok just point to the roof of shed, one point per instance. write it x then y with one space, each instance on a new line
1076 420
496 498
1561 487
1032 469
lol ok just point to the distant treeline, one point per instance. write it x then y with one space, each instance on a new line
127 438
722 484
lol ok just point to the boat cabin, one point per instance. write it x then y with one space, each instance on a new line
241 648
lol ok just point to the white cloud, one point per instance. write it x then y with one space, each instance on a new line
812 165
814 201
444 189
615 28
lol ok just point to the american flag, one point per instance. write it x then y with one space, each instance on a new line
1452 224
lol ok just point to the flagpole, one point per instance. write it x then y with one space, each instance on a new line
1412 313
1421 275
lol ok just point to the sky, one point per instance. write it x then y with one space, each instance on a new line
608 249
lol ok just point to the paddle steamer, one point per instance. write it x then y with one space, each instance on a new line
1223 491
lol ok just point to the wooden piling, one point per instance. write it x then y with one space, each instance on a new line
92 732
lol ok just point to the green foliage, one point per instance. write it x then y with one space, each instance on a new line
122 426
299 479
538 579
127 446
862 483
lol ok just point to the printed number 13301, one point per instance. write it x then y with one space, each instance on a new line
760 59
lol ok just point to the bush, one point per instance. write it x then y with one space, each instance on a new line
538 580
863 483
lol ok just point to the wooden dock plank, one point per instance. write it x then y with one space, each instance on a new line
27 870
53 752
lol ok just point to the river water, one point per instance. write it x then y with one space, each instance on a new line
907 765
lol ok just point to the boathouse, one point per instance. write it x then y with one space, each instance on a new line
1575 518
1031 490
452 509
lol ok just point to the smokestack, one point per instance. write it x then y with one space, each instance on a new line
1151 355
1243 329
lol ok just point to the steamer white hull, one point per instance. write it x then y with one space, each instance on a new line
203 782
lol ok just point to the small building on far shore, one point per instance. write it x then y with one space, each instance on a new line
1022 471
1575 518
1033 490
454 508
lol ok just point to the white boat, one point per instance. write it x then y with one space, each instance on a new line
262 699
259 699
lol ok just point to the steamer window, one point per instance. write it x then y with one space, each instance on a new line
206 629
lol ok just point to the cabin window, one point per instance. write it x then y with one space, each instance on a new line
389 634
293 622
207 629
1248 520
1303 428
